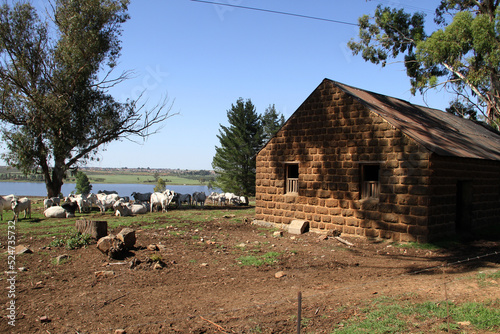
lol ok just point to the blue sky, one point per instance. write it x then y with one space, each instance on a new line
206 56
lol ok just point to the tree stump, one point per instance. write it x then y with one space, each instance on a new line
96 228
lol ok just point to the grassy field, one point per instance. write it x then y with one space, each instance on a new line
121 175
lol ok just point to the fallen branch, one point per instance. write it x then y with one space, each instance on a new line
213 323
113 263
344 241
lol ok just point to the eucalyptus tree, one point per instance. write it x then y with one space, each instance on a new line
56 111
461 54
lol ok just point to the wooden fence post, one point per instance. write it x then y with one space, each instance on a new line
299 312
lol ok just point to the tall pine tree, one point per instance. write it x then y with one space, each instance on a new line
234 160
83 185
272 121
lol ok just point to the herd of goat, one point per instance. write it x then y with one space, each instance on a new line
57 207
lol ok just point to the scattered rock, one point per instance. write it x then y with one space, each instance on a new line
333 233
111 246
44 319
104 273
280 274
278 234
298 226
120 331
228 216
61 258
22 249
204 264
117 251
158 265
463 323
161 247
322 237
152 247
22 269
127 235
242 245
105 243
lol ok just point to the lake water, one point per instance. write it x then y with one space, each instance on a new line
123 189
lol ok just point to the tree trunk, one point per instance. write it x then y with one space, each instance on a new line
493 107
95 228
55 181
53 188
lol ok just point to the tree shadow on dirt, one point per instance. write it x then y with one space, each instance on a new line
462 257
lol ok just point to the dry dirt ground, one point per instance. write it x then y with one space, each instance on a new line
205 286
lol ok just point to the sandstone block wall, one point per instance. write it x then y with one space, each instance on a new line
484 179
330 137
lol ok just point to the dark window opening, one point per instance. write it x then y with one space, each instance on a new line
370 183
292 178
463 221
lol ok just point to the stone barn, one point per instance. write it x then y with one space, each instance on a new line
375 166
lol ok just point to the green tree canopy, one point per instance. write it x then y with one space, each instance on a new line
234 160
462 55
161 185
55 74
83 185
272 121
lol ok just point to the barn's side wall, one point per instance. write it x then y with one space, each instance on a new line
330 136
484 206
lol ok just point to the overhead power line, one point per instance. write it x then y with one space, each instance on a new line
405 6
277 12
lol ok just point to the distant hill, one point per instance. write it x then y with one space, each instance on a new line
121 175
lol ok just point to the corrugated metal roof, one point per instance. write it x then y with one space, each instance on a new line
440 132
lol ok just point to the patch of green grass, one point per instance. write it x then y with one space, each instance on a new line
258 260
448 243
256 329
417 245
155 257
482 316
60 262
72 241
491 275
389 315
303 321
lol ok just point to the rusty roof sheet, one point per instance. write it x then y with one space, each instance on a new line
440 132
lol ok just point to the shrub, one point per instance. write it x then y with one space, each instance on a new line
72 241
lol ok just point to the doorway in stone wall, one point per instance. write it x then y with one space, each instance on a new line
463 220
